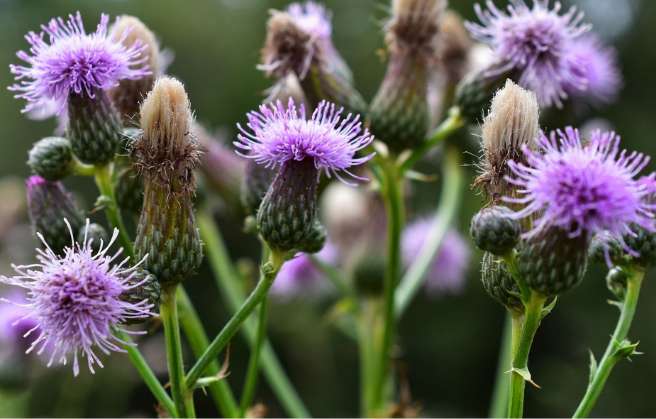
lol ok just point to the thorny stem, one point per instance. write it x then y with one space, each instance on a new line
253 363
617 342
519 372
230 283
446 211
198 341
168 312
268 273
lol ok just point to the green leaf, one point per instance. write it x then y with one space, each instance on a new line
627 349
593 366
525 374
547 309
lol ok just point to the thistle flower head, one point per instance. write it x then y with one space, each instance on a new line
278 135
535 42
63 59
414 27
597 64
15 320
300 276
313 18
75 301
583 188
447 271
288 47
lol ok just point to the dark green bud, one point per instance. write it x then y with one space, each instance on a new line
495 230
148 290
94 127
616 282
129 190
48 204
94 232
498 282
602 245
255 185
552 262
51 158
287 217
475 91
643 243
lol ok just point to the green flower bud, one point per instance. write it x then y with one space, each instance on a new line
498 282
475 91
148 290
552 262
94 127
287 217
643 243
51 158
49 204
129 190
494 230
166 156
604 244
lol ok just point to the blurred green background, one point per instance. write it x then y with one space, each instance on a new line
448 345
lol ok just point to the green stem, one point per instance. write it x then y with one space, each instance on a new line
230 283
168 312
451 124
103 175
147 375
198 341
511 332
268 273
613 352
394 208
519 373
367 315
446 211
253 363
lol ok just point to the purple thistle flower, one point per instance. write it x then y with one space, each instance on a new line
597 64
15 320
535 43
72 61
300 276
280 135
313 18
583 188
75 301
447 271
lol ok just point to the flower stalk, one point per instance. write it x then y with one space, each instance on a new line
618 348
252 372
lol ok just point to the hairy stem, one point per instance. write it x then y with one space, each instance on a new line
613 352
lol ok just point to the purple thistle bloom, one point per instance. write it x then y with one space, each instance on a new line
313 18
597 64
583 188
75 301
299 276
70 61
535 42
282 135
15 320
447 272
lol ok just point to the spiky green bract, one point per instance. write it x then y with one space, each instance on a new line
49 204
51 158
493 229
553 261
642 245
166 156
94 127
287 217
143 287
498 282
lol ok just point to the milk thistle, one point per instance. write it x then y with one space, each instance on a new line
76 301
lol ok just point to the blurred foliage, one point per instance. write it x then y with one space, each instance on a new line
447 346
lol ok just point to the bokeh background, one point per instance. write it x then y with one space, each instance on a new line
448 345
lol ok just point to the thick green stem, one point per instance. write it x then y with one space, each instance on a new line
519 373
613 352
394 207
168 312
253 363
446 211
103 176
451 124
367 326
230 283
198 341
268 273
147 375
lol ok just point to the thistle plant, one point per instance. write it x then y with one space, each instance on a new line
325 181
